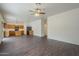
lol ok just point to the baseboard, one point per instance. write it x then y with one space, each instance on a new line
37 35
63 41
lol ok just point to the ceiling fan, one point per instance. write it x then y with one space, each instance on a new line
38 11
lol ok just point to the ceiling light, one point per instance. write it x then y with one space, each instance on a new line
37 14
38 11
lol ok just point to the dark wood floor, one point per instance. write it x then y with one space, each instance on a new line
36 46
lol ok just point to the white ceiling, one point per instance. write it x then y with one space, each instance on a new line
19 12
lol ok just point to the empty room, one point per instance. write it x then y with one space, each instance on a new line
39 29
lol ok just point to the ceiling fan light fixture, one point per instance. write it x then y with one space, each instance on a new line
38 11
37 14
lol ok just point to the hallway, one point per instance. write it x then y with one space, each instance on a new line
36 46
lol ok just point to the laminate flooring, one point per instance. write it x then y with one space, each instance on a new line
36 46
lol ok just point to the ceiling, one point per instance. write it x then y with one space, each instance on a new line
19 12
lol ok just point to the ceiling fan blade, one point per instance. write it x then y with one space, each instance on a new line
31 10
31 13
42 12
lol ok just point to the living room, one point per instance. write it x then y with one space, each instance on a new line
39 29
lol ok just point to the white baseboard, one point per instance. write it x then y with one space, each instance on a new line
37 35
63 41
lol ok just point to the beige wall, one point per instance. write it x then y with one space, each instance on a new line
64 27
39 26
36 26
